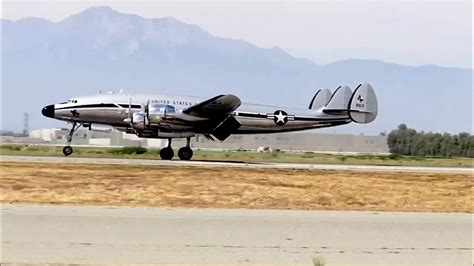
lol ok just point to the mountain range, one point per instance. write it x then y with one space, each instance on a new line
101 49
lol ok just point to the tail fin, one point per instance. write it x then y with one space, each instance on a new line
363 106
339 101
320 99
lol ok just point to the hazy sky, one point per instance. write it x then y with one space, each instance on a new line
411 33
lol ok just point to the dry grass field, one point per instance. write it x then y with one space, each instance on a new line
234 188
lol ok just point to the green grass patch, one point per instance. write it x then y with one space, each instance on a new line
245 156
129 150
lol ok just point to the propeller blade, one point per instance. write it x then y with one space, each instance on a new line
147 110
130 108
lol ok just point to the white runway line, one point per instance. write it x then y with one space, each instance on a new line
122 161
87 234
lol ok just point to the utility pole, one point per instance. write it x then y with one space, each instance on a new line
26 124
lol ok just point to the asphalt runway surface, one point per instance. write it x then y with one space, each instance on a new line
72 234
217 164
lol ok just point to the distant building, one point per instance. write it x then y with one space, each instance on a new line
305 141
48 134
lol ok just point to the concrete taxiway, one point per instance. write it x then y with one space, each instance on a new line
150 162
71 234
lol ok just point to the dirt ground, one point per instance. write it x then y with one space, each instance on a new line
234 188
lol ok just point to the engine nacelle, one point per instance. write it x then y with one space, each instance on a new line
139 120
160 112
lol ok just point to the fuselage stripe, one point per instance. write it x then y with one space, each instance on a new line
300 118
100 105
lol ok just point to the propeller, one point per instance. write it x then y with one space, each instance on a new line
130 110
147 110
130 117
137 120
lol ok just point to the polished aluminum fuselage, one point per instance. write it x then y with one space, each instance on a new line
113 109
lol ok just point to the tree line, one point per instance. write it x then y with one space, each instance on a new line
407 141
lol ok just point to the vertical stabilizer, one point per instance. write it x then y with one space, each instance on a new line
339 100
363 106
320 99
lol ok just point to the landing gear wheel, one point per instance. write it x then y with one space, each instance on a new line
185 153
166 153
67 150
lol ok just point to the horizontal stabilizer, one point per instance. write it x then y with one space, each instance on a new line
363 106
339 101
320 99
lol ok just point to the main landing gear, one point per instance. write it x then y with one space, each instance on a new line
184 153
67 150
167 153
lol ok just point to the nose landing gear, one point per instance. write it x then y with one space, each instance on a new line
67 150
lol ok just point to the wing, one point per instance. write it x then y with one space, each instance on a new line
220 105
218 109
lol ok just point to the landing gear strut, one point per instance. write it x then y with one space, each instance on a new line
186 153
67 150
167 153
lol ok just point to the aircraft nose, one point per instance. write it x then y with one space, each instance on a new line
48 111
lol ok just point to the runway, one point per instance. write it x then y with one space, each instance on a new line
70 234
149 162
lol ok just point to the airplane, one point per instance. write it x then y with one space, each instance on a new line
173 116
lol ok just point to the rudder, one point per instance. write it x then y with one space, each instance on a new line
363 105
